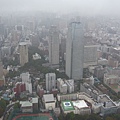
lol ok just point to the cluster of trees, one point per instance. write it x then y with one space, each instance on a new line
72 116
3 105
35 65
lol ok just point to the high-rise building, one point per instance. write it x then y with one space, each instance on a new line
25 77
27 80
2 78
53 46
75 51
90 55
23 50
50 81
1 70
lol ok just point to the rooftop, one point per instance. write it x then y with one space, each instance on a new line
111 76
22 43
106 100
67 105
79 104
34 100
48 98
25 104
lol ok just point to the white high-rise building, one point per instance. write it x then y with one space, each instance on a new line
62 86
70 85
50 81
23 50
25 77
75 51
53 46
27 80
28 87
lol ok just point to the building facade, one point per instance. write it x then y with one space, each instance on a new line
50 81
75 51
23 50
90 55
53 46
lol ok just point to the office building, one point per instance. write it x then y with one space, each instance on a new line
90 55
53 46
50 81
23 50
75 51
108 106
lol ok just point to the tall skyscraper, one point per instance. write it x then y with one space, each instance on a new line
50 81
54 46
75 51
23 50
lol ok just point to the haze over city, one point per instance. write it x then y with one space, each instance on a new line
84 7
59 60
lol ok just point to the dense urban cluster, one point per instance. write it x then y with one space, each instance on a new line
59 66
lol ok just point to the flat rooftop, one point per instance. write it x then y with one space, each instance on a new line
105 99
67 105
80 104
48 98
22 43
26 104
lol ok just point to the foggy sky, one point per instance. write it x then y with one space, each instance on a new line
87 7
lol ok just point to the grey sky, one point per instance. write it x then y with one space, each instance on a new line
83 6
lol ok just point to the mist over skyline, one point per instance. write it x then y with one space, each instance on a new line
84 7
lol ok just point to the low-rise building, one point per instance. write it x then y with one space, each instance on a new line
108 106
49 101
26 106
35 104
111 79
95 107
72 96
67 106
81 107
90 90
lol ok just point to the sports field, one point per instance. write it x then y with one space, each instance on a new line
45 116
